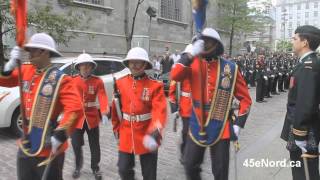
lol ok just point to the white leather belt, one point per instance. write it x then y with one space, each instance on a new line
185 94
141 117
90 104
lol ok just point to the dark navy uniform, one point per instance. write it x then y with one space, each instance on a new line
302 120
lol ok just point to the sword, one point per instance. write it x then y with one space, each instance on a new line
47 168
236 150
305 157
178 95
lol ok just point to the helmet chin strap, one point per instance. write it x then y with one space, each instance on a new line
209 54
208 51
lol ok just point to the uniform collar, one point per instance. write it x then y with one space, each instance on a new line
138 77
41 70
305 55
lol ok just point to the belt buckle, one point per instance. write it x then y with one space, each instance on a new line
133 118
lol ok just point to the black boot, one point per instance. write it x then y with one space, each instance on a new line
76 174
97 174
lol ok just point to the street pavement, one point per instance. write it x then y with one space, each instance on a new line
260 143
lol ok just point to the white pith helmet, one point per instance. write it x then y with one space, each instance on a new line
43 41
211 33
85 58
137 53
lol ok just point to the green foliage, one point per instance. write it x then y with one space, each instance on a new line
284 45
42 18
236 17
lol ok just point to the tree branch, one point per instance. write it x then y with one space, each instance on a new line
8 30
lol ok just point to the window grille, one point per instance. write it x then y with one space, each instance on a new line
171 9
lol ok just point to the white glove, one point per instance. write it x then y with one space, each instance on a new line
16 55
196 48
236 130
104 119
302 145
150 143
55 143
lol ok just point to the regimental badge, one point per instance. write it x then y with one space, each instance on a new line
225 83
226 80
25 86
91 89
145 94
227 69
47 90
52 77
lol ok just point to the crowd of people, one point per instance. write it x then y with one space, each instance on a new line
203 87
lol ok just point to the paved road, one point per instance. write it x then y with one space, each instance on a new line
259 141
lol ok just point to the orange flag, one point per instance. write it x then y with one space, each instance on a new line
19 10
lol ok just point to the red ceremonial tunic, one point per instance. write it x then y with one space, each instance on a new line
142 99
91 89
68 99
185 102
180 72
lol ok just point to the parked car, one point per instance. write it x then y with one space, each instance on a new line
108 67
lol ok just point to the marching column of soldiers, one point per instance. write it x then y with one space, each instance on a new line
56 106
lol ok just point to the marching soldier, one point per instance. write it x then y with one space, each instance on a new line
214 82
138 125
91 88
302 123
182 104
47 93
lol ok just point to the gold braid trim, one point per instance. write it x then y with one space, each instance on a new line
299 132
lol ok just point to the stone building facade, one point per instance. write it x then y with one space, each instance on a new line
105 22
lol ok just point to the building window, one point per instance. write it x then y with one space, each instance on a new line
298 24
315 13
290 16
298 6
307 14
289 32
307 5
315 4
95 2
307 22
171 9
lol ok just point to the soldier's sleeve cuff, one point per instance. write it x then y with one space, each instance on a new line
60 135
185 59
241 120
299 135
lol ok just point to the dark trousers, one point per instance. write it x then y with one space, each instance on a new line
286 82
77 142
260 90
27 168
274 85
184 134
193 158
280 84
298 172
148 165
252 80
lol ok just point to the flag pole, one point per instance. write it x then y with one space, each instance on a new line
19 10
